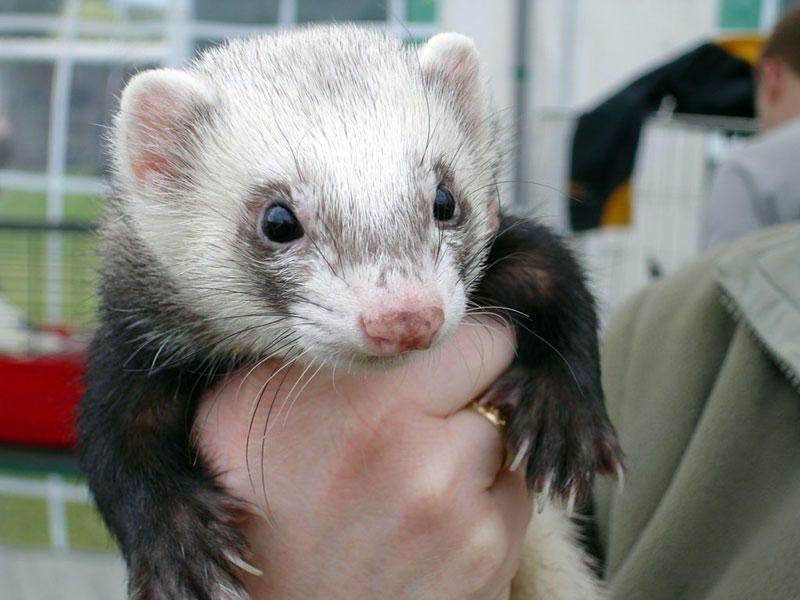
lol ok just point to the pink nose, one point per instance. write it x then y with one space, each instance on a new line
397 331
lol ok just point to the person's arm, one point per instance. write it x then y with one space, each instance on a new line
377 485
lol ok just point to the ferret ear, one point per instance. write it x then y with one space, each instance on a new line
158 120
453 59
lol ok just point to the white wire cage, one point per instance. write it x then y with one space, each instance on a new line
62 66
675 162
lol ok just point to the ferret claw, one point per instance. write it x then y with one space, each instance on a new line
548 483
544 495
522 452
620 478
239 510
231 594
257 512
573 495
243 565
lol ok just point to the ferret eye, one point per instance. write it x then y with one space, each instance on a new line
444 205
280 225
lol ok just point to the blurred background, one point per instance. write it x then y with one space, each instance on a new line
617 113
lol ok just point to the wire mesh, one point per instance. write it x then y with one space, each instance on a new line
28 296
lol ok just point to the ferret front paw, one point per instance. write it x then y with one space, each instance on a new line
198 554
565 436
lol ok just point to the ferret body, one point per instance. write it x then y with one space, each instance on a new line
325 196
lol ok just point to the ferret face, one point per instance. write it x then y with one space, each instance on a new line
326 194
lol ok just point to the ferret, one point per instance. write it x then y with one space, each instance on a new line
327 195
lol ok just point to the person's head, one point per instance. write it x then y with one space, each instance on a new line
778 90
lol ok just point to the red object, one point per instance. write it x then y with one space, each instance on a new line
38 398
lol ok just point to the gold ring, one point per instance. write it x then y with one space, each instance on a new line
496 418
492 414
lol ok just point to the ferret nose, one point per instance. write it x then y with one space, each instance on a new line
392 332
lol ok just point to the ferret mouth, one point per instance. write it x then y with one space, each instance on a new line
360 361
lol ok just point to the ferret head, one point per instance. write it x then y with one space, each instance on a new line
327 193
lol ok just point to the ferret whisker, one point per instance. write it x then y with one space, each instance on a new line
428 136
492 330
514 224
135 352
480 350
501 321
301 390
441 253
494 310
552 188
168 332
317 304
250 372
276 349
496 328
465 141
291 390
286 363
509 256
339 255
223 291
289 145
509 319
274 318
203 349
333 379
476 175
253 412
558 353
200 424
192 452
465 362
155 358
263 442
498 195
322 256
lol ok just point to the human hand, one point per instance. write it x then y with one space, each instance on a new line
375 485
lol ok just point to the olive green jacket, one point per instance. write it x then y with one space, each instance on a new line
702 378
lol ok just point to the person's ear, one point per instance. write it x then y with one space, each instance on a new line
771 78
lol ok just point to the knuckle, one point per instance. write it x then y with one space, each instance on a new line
431 493
488 544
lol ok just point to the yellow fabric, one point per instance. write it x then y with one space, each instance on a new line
617 210
747 47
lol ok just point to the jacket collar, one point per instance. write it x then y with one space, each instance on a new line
760 280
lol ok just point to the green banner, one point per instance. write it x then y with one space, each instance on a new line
740 14
421 11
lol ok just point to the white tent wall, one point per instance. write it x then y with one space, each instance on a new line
612 41
578 50
490 24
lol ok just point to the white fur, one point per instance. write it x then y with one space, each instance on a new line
553 565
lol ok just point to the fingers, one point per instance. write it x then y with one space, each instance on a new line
480 446
511 493
483 448
447 377
515 507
